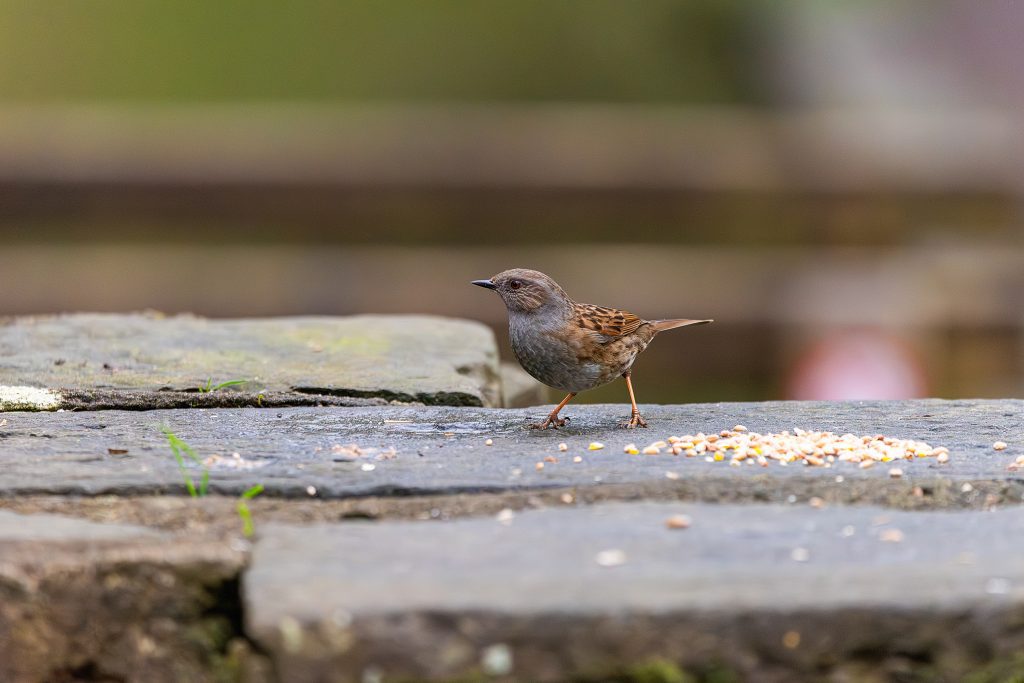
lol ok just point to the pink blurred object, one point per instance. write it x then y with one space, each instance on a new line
857 364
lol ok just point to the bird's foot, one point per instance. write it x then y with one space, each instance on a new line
635 421
552 421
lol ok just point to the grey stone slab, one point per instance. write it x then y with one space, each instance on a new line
569 593
440 450
45 527
82 600
520 390
93 361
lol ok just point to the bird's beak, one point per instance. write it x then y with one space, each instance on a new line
485 283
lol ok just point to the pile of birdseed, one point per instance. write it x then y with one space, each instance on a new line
739 446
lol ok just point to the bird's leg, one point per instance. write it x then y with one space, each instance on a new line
634 420
553 420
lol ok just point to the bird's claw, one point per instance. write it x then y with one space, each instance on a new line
553 422
635 421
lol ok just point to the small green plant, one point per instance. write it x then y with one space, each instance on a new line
210 387
178 447
243 509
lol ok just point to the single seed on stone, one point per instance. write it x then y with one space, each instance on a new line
891 536
999 445
567 498
505 516
672 475
539 466
895 473
678 522
610 558
368 467
865 464
563 447
310 490
942 458
577 459
651 450
595 446
739 428
966 488
816 502
550 458
630 448
791 640
489 442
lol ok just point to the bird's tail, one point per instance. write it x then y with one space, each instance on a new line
662 325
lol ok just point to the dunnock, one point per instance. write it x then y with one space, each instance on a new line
571 346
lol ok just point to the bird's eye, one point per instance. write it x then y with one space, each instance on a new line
515 284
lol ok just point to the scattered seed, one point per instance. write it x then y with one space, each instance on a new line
895 473
816 502
505 516
563 447
630 448
672 475
814 449
567 498
999 446
550 458
595 446
791 640
368 467
489 442
610 558
966 488
310 490
539 466
891 536
577 459
678 522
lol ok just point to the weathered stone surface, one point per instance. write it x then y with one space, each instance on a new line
590 592
440 450
151 361
105 602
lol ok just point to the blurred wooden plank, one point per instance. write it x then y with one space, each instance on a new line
596 147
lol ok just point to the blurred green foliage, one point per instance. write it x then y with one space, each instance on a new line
444 50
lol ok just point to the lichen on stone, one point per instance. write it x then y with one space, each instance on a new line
28 398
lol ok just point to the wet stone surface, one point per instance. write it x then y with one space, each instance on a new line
97 361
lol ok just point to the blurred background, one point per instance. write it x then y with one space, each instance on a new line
839 185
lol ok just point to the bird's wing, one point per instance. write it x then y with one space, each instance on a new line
606 324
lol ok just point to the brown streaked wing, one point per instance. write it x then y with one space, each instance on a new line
609 322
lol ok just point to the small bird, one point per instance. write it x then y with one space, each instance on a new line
571 346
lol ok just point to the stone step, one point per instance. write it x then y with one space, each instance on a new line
88 601
610 592
146 361
436 451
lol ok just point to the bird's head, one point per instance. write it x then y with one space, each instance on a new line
525 291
